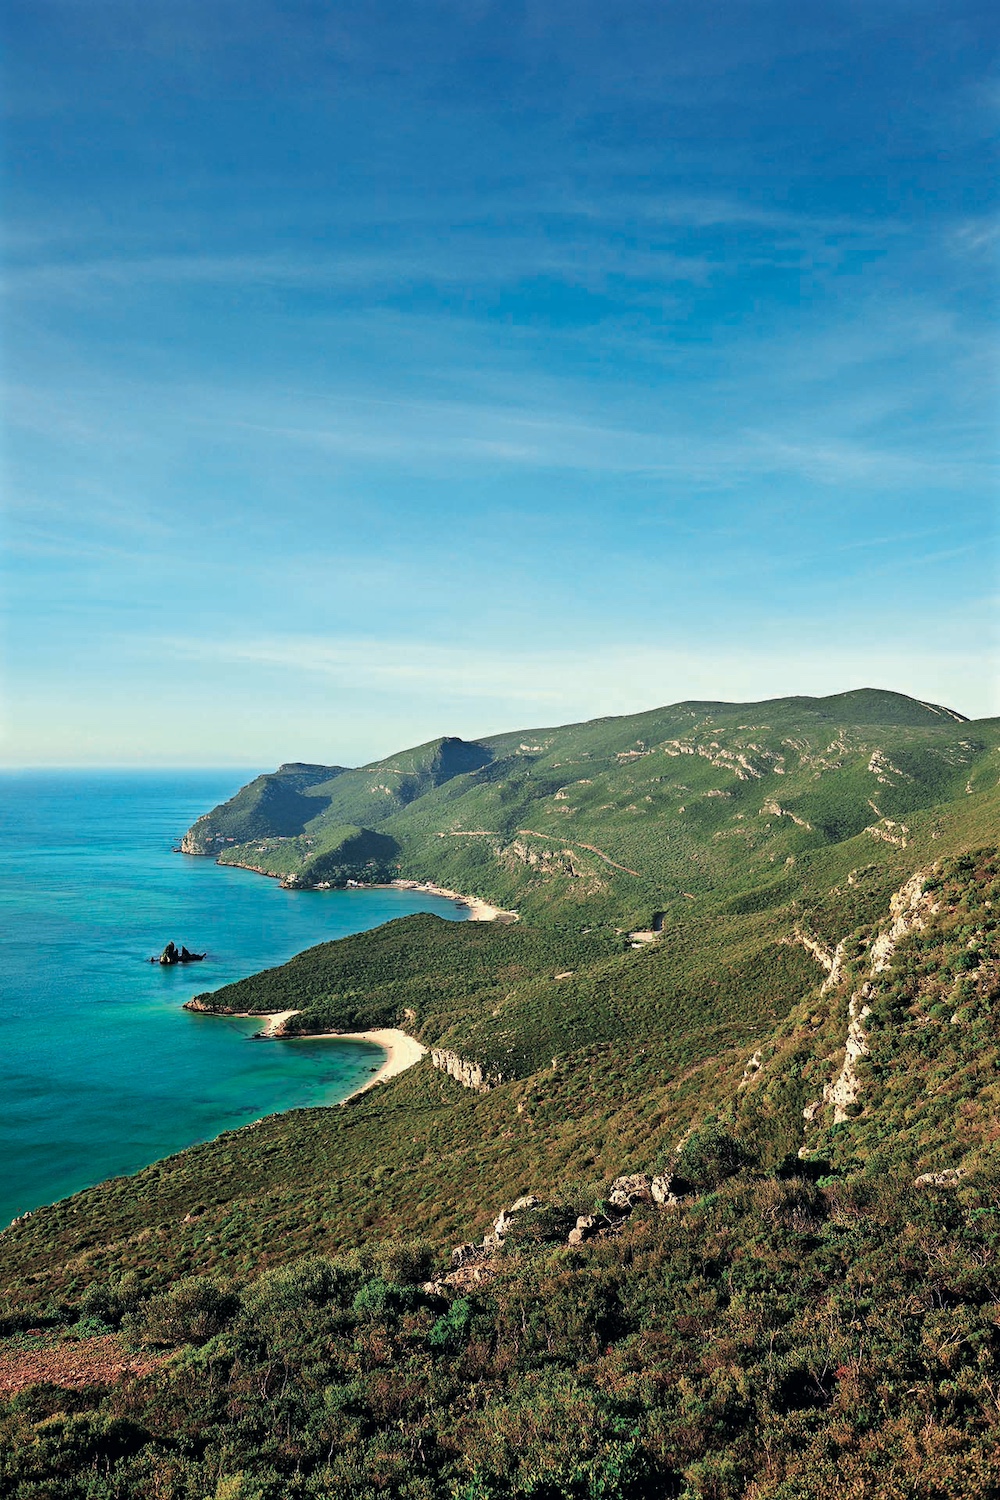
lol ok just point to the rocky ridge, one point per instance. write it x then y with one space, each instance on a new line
909 908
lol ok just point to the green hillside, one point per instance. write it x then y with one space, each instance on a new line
629 814
757 969
332 855
279 805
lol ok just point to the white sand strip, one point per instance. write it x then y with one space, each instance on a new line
479 910
275 1020
401 1051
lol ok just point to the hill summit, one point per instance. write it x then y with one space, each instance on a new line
678 799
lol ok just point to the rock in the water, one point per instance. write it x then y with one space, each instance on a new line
174 955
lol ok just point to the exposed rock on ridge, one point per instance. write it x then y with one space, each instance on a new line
469 1074
909 909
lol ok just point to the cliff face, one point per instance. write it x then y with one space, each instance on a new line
469 1074
200 839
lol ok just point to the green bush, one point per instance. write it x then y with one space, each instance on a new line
191 1312
382 1299
451 1329
711 1155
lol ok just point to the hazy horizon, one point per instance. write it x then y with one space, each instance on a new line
248 769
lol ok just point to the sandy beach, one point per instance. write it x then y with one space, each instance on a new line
275 1020
401 1051
479 911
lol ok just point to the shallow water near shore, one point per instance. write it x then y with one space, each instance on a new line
101 1071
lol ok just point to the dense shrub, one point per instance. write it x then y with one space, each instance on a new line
191 1312
709 1156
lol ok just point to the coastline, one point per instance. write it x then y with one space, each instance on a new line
401 1050
479 910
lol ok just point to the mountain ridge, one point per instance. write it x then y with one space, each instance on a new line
508 815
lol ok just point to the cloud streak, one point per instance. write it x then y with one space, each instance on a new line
621 678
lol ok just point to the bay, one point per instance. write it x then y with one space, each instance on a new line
101 1070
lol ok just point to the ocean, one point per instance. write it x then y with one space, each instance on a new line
101 1070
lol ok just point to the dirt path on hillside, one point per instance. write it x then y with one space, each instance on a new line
576 844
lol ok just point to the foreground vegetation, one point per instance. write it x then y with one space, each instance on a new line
773 1337
819 1304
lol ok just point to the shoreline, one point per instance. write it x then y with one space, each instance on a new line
401 1050
479 910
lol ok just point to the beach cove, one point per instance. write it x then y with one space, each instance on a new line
101 1069
401 1051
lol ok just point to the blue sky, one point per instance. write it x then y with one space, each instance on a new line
376 371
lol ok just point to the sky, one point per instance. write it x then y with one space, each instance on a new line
375 371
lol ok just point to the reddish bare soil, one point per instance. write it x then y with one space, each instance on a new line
97 1361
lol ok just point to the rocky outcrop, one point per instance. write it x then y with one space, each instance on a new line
909 909
467 1255
773 809
750 763
585 1228
752 1068
472 1264
201 838
951 1177
845 1088
885 773
829 959
469 1263
661 1191
470 1075
836 973
506 1218
626 1191
889 832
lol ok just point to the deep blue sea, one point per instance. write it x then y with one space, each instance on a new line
101 1071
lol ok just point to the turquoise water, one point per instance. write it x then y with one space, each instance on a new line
101 1071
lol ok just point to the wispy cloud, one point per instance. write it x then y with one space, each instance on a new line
619 678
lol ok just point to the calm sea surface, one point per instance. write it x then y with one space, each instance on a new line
101 1071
